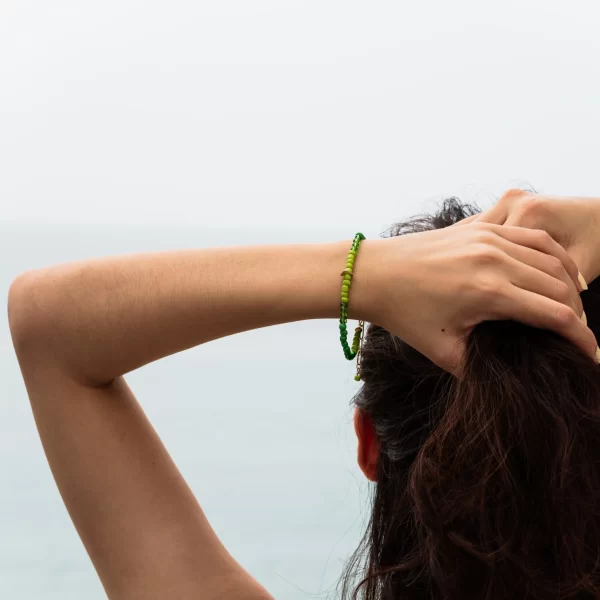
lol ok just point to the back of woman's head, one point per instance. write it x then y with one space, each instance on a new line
487 486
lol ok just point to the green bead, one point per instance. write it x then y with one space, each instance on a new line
357 378
349 353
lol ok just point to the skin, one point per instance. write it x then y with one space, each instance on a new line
367 445
573 221
78 328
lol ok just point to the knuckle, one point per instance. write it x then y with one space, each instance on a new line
563 292
482 226
529 210
487 287
530 205
564 316
554 266
486 254
543 237
513 194
483 233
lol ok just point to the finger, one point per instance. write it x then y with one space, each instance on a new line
539 311
496 215
533 280
543 263
467 220
538 239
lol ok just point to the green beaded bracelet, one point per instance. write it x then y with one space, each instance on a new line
346 274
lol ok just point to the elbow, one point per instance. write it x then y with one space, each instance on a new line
24 319
34 323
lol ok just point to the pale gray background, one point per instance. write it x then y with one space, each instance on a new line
133 126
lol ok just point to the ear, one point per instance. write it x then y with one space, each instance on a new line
368 445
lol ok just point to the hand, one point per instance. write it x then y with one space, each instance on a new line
432 288
574 222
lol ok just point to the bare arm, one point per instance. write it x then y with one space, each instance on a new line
106 317
77 328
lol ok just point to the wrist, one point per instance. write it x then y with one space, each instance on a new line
365 291
593 266
585 245
310 284
324 264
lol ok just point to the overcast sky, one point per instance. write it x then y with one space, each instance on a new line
284 112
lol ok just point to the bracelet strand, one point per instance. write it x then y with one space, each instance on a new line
347 273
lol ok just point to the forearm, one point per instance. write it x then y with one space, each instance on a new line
105 317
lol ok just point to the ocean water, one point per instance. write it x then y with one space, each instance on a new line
258 423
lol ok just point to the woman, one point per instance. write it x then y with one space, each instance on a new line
78 328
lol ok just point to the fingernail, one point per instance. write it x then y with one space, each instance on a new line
581 280
584 318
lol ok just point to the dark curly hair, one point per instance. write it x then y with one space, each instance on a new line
487 487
